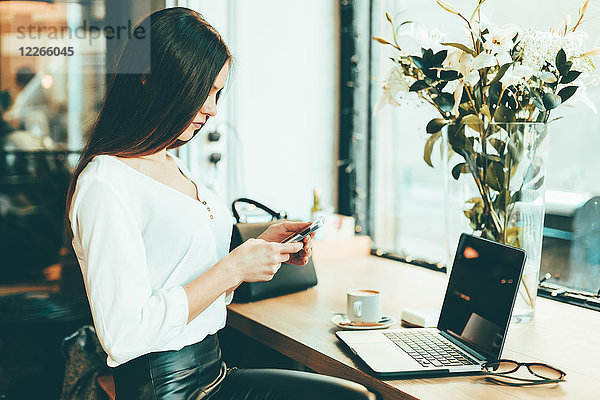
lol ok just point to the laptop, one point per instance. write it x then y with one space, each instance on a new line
473 322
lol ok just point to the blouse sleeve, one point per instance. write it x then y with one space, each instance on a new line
130 318
229 298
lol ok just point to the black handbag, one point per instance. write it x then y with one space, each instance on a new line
289 278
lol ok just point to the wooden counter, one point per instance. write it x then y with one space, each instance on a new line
298 326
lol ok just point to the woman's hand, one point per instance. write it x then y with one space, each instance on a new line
258 260
278 232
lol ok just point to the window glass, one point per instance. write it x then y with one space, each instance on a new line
52 82
408 195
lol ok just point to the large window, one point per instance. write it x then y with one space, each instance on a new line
54 60
408 196
51 85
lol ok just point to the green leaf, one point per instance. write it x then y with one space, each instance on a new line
492 157
567 68
570 77
538 184
504 114
418 85
473 122
459 142
449 75
515 146
427 54
562 65
512 235
537 101
476 200
485 110
418 61
516 196
533 170
561 60
460 168
429 147
566 92
500 73
436 125
439 57
475 214
541 133
460 46
547 77
431 73
551 100
494 94
445 101
495 176
498 144
477 94
510 99
502 200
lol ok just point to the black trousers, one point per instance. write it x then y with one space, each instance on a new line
185 374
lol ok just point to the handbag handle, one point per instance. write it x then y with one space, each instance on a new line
274 214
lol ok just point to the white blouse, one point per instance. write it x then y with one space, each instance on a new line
138 242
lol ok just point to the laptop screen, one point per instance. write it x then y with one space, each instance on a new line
481 292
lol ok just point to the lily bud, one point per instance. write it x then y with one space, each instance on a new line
584 8
591 53
447 7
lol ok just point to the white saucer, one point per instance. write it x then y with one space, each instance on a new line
338 318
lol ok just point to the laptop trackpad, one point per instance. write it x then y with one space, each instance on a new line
385 357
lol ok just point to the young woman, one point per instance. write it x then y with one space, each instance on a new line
152 241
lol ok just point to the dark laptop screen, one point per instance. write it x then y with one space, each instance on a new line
481 292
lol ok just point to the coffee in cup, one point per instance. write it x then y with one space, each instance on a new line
363 305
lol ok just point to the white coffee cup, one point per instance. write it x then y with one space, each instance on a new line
363 305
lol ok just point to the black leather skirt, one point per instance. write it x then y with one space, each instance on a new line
197 372
193 372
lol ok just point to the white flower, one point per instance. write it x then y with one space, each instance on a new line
484 60
419 37
499 41
462 62
500 38
516 74
541 47
394 89
458 92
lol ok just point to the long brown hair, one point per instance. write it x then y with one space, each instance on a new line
144 113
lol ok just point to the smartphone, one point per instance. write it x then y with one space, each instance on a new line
298 236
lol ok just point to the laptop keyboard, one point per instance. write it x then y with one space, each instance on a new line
429 349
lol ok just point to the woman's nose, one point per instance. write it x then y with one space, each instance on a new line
209 107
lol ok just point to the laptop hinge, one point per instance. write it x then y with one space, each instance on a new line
463 346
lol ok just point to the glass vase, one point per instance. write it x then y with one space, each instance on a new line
494 184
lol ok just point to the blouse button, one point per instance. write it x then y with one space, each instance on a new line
208 208
211 217
204 202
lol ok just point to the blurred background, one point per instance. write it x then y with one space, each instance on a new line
295 131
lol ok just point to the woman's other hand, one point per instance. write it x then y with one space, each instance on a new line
278 232
258 260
